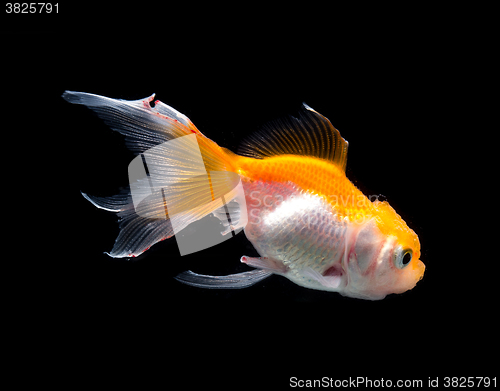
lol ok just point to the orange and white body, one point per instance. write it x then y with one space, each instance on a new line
308 222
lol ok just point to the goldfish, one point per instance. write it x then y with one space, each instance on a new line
308 222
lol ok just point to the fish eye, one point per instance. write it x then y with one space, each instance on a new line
407 257
403 258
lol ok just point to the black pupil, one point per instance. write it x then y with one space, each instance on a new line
406 258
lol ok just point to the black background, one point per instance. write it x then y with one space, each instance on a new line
387 93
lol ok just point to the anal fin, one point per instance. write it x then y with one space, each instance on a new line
329 281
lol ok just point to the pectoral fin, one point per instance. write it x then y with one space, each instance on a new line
332 281
265 263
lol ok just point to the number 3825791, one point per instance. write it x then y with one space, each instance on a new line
474 381
31 8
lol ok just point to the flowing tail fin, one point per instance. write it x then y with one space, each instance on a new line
188 175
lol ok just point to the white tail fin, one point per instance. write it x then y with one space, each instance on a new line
189 177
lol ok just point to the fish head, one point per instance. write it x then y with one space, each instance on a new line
384 257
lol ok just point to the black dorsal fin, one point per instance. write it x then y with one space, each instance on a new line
309 135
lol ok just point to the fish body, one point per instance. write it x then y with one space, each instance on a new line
304 217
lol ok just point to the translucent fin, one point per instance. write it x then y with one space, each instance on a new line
326 281
139 228
145 127
142 125
137 233
179 177
311 134
232 216
232 281
160 205
111 204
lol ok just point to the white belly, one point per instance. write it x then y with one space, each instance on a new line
297 229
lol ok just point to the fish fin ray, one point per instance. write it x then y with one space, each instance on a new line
112 204
231 281
326 281
311 134
138 232
188 176
232 215
167 200
142 125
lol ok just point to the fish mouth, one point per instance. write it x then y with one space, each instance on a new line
420 270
